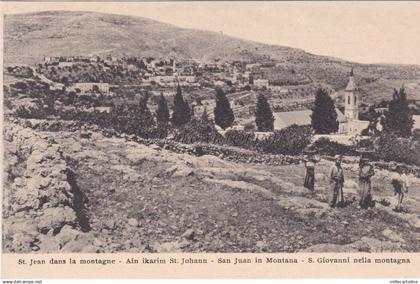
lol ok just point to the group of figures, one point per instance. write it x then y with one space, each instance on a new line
366 172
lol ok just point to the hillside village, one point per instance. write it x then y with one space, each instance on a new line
290 94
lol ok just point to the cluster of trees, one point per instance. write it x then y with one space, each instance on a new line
223 113
20 71
88 72
398 120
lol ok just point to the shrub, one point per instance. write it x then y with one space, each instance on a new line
290 140
23 112
327 147
19 85
198 130
250 126
389 147
131 119
240 138
365 143
159 132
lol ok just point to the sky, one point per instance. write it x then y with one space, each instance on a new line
365 32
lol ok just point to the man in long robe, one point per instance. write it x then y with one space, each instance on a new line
336 183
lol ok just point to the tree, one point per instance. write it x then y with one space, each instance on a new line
144 110
324 116
181 111
162 112
399 118
223 114
264 118
132 119
373 117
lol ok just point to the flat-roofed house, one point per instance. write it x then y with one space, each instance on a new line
261 83
90 87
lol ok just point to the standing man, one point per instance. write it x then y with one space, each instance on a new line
365 173
337 182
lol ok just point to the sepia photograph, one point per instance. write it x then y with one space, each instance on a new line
198 127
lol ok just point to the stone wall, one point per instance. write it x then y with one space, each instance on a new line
43 211
230 153
227 152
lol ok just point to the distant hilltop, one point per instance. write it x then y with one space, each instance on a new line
28 38
64 33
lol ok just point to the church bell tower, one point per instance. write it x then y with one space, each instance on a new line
351 106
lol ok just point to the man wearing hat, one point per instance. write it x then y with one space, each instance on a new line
336 182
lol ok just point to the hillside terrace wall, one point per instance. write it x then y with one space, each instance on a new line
43 211
227 152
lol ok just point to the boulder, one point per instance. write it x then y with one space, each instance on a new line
56 218
14 225
393 236
53 152
58 192
182 171
67 234
48 244
132 222
35 158
26 198
109 224
40 145
261 245
189 234
22 242
351 184
321 177
334 248
85 135
155 147
170 247
366 244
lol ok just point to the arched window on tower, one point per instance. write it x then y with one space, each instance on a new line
348 100
355 99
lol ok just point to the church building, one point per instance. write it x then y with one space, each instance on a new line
349 124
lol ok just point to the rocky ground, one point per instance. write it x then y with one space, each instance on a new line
72 192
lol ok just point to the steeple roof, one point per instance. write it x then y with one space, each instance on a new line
351 85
